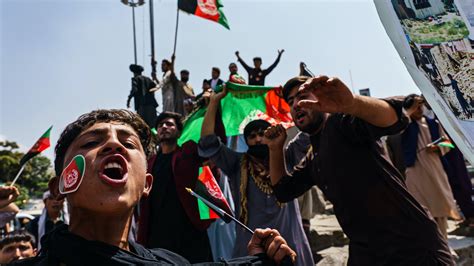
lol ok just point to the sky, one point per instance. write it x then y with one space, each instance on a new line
62 58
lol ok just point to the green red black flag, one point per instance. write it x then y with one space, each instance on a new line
41 144
207 187
208 9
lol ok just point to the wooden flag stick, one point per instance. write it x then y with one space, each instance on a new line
17 175
176 30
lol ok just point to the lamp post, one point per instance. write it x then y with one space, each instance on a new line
133 4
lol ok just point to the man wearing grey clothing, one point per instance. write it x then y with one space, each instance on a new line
256 204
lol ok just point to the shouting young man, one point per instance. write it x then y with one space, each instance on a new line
102 171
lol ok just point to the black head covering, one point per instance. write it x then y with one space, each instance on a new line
255 125
136 69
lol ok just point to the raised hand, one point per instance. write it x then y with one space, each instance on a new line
331 95
219 96
280 52
275 137
8 195
237 53
270 241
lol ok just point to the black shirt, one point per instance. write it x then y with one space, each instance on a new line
170 227
257 75
385 224
60 247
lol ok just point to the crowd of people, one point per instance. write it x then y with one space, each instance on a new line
178 95
377 161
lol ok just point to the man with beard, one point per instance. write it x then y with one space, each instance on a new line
234 75
112 147
167 85
384 222
248 173
170 217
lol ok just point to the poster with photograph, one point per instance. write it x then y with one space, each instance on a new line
435 39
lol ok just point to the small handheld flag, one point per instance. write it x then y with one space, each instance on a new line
443 142
41 144
207 187
446 143
224 215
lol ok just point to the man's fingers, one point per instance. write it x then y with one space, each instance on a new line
314 83
275 131
309 104
282 252
260 236
274 246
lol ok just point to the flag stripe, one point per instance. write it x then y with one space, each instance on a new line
192 7
203 210
40 145
188 6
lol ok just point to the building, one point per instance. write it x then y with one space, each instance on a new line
419 9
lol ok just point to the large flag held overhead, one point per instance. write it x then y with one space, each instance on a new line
208 9
41 144
207 187
242 104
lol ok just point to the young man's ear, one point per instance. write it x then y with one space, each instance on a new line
53 185
148 184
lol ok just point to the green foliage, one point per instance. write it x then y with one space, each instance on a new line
34 179
24 196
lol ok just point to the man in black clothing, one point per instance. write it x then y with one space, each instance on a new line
169 217
215 81
257 74
144 97
385 224
114 145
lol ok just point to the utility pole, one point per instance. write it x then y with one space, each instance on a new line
133 4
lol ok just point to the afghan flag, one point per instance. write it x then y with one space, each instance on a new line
242 104
41 144
446 143
208 9
207 187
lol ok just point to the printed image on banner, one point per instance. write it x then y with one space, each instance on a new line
435 39
438 35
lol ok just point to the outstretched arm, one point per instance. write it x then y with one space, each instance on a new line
209 122
270 68
331 95
242 62
275 137
173 57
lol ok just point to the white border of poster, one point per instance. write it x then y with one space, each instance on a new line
459 127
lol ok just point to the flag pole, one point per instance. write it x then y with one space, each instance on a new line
176 30
219 210
152 39
17 175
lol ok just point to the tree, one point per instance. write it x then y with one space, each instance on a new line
35 177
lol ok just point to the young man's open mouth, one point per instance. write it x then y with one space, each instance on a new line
114 170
